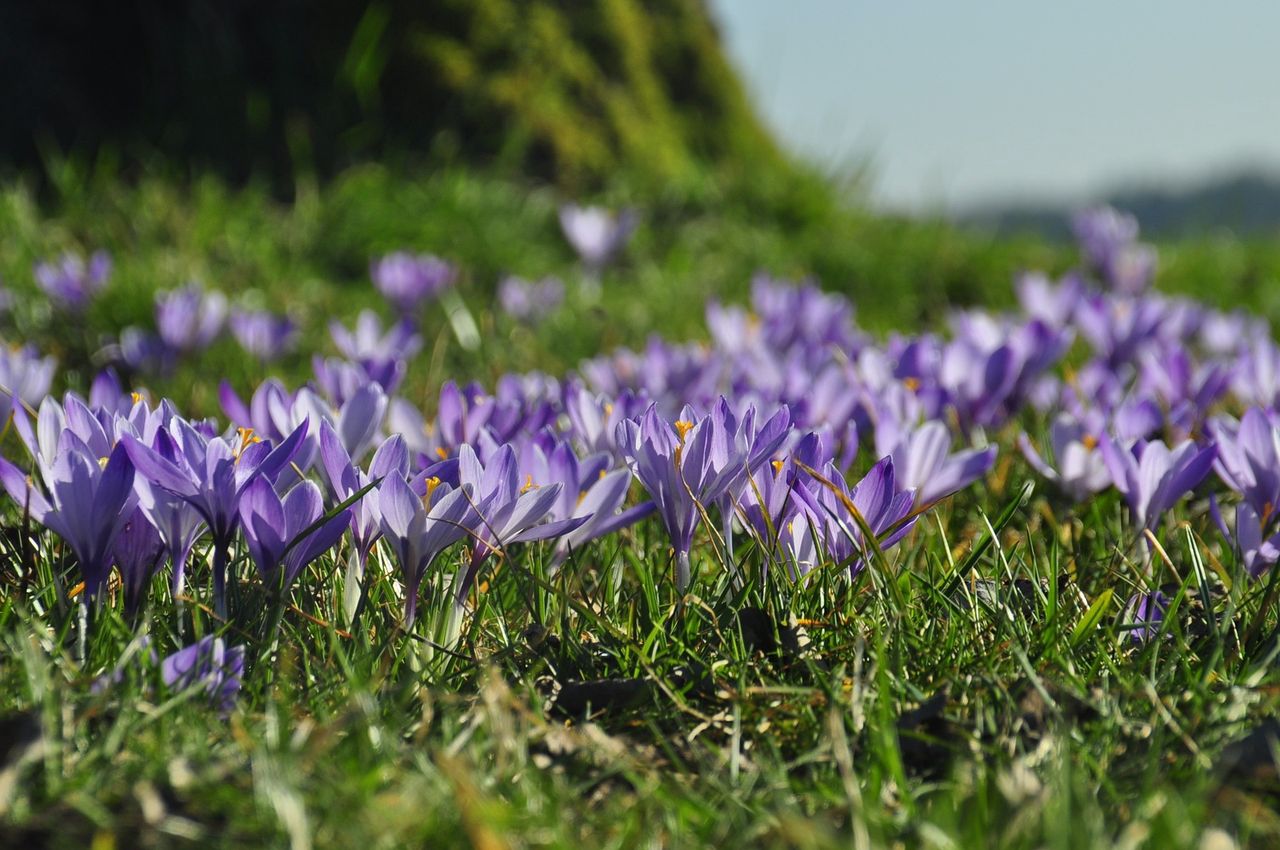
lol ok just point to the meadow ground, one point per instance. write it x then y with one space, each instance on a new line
979 687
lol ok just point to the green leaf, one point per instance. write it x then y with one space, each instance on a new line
1092 617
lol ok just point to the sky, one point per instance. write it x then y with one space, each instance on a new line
956 104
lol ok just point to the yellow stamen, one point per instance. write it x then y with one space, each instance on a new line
137 397
102 463
1267 510
1089 441
444 455
683 427
777 466
608 408
912 384
528 485
601 475
247 438
432 483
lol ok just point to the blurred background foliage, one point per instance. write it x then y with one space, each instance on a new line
569 92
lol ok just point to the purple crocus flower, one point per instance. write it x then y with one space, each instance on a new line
691 464
1226 334
1186 387
177 522
530 301
1257 552
1154 477
924 463
274 527
383 356
507 511
1052 304
829 509
263 334
358 422
1146 611
1248 460
273 413
1256 377
142 351
189 319
594 419
211 474
589 491
595 233
408 281
87 504
338 380
464 414
1080 470
1119 328
210 663
739 449
1109 240
345 480
989 368
802 316
107 392
418 528
766 501
71 283
137 553
25 378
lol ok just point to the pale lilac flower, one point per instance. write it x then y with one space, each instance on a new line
1257 552
1154 477
211 474
924 463
143 351
1248 459
383 356
1078 467
86 501
263 334
189 319
589 491
1109 240
209 663
828 521
507 510
278 531
418 527
408 281
72 283
530 301
1146 611
689 465
137 553
1053 304
595 233
25 378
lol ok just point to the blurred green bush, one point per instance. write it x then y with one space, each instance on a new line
571 92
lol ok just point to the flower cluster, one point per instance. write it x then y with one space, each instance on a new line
754 437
